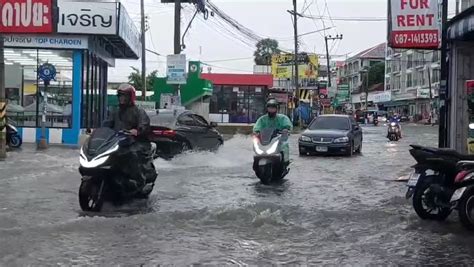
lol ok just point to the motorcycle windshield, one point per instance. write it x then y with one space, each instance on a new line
266 135
100 141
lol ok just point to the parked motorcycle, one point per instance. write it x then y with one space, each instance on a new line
14 139
103 161
432 184
269 162
463 198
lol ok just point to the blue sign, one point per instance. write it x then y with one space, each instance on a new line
47 72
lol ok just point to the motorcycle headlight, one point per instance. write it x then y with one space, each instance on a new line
273 148
393 124
305 138
344 139
256 147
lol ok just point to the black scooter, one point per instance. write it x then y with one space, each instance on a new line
432 184
103 165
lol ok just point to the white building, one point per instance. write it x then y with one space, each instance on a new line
410 74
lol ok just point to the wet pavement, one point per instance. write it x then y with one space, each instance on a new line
210 209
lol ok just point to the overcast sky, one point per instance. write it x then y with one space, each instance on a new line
210 41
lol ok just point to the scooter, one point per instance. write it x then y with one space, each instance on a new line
393 131
269 163
463 198
13 138
432 184
103 165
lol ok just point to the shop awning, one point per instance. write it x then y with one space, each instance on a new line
462 26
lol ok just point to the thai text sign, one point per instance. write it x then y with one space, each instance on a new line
414 24
44 41
26 16
283 66
176 69
87 17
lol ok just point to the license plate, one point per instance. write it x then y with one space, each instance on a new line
458 194
321 149
413 179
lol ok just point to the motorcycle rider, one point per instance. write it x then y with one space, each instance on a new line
396 119
133 119
278 121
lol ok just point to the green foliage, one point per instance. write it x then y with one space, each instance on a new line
265 49
135 79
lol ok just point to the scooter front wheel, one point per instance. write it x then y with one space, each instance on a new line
265 174
14 141
91 194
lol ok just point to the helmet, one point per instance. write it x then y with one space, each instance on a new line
128 90
272 103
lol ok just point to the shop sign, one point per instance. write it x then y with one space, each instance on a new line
47 72
470 87
42 41
283 66
128 32
87 18
176 69
414 24
423 93
382 97
26 16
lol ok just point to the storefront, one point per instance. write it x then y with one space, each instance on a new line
238 98
77 97
461 71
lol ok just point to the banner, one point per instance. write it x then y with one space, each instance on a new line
26 16
87 17
342 94
283 66
414 24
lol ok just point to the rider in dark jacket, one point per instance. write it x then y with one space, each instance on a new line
133 119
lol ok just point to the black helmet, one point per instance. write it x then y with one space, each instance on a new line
272 103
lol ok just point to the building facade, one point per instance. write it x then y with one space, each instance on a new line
80 51
413 78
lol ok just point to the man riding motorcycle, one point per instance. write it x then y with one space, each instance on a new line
277 121
133 119
396 119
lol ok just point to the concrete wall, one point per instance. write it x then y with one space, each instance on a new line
200 107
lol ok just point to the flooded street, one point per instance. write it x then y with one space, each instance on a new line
211 209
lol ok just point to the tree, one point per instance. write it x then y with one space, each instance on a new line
265 49
377 74
135 79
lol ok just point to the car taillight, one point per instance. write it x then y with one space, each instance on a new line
165 133
460 176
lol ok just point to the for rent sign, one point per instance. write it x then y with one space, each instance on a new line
26 16
414 24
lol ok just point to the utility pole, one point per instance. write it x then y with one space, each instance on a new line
431 94
326 38
444 104
177 27
142 5
3 104
295 26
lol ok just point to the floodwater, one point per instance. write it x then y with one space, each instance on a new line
208 208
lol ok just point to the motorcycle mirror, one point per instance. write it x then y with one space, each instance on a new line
471 126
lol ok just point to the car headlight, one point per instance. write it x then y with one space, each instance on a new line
344 139
305 138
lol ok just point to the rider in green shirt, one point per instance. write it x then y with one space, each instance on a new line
274 120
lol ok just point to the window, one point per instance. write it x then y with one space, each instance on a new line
409 82
200 121
186 119
436 56
330 123
435 75
409 61
421 78
28 97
